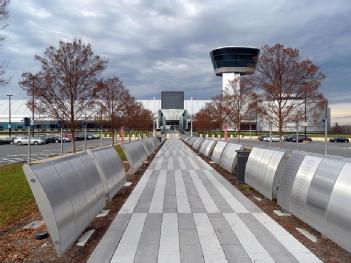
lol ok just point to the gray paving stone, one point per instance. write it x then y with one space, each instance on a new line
170 199
193 196
267 240
145 198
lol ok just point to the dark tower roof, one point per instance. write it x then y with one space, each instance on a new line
231 59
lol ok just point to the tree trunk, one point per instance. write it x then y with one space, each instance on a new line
280 134
113 136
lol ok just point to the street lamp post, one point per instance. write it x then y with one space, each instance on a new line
192 112
9 125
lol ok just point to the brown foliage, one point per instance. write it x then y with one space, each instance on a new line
68 80
210 117
285 80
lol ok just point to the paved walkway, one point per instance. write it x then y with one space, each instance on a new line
182 210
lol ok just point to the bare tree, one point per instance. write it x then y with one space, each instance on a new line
70 75
3 23
30 83
285 80
112 97
238 104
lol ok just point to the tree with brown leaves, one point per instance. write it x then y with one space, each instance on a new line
285 81
112 98
69 74
211 117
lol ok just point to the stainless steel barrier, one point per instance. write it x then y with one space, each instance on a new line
193 140
217 151
228 157
209 148
135 153
111 170
316 191
204 146
197 143
148 145
264 169
69 193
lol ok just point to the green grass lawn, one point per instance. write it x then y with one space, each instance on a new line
16 198
120 152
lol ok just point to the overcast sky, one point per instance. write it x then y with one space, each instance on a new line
164 45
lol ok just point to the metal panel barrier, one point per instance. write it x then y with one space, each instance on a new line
204 146
69 193
263 170
148 146
209 148
317 193
111 170
228 157
197 143
217 151
135 153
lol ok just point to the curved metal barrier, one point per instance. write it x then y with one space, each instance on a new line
135 153
315 190
148 145
204 146
217 151
110 168
209 148
69 193
197 143
191 140
228 157
264 169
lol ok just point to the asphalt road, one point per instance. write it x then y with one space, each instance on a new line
339 149
14 153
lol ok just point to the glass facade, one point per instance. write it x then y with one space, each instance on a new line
244 58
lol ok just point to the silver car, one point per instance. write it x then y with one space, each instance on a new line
33 140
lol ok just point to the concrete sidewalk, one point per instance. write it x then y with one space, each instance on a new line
182 210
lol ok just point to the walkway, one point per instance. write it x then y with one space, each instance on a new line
182 210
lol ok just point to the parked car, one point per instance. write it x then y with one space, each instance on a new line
33 140
262 137
6 140
65 139
271 139
339 139
292 138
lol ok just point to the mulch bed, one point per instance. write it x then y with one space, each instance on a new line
324 248
19 245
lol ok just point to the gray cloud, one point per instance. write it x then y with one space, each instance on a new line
164 45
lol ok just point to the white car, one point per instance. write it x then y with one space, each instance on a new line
33 140
271 139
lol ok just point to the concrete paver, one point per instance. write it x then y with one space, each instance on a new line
182 210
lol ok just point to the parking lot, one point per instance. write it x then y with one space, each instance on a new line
10 153
340 149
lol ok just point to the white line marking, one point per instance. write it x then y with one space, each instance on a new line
298 250
210 246
183 205
128 245
156 205
231 200
133 199
169 241
252 246
206 199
